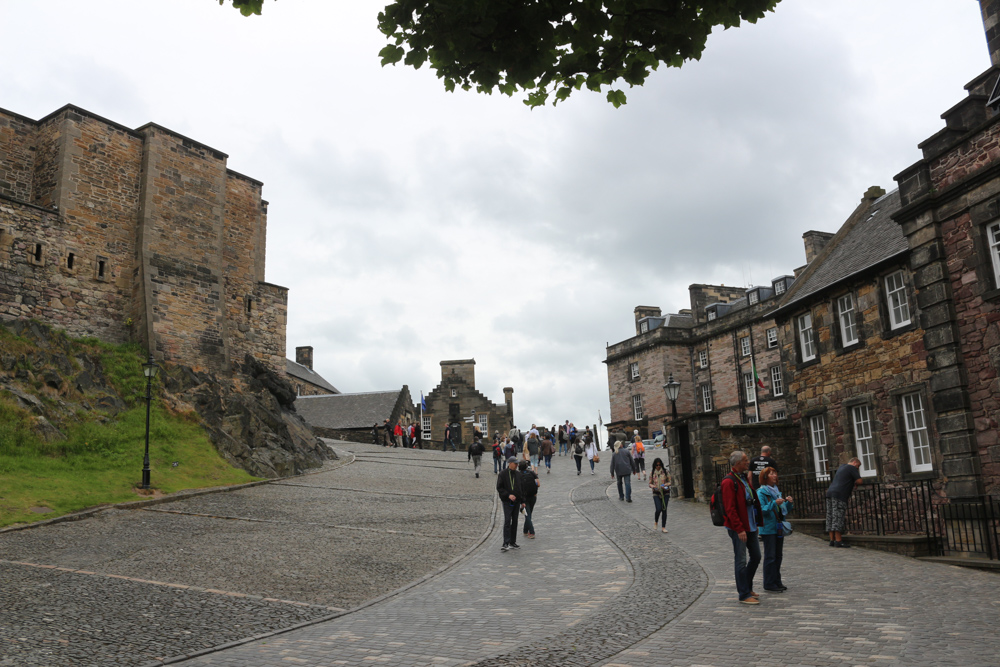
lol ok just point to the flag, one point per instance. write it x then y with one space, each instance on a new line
423 403
760 383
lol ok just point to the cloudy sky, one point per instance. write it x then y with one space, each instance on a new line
414 225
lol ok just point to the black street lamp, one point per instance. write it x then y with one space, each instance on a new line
149 369
672 388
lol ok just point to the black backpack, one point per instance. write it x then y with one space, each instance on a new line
715 506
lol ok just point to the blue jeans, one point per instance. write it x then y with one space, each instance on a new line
628 486
562 448
529 506
591 465
497 465
744 569
773 545
548 460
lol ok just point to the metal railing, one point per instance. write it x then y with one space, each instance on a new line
966 527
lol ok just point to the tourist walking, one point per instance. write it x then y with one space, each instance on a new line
529 487
512 500
476 454
509 448
739 508
417 443
498 456
398 432
639 458
772 531
534 447
561 435
758 463
590 449
578 453
449 439
621 468
547 450
659 482
848 476
375 438
387 433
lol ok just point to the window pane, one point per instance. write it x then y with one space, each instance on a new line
848 328
749 387
863 440
772 337
776 387
745 346
706 397
703 359
899 307
637 407
917 439
993 236
818 433
806 337
425 428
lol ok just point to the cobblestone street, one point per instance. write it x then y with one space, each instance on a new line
598 586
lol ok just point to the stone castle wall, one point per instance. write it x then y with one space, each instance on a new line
135 234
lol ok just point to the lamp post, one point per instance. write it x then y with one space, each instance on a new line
672 388
149 369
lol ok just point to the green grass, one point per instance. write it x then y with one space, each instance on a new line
100 459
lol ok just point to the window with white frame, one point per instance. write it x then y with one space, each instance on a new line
806 340
848 320
993 239
777 389
745 346
917 440
711 315
899 306
703 358
643 326
637 407
751 419
817 438
863 442
425 428
779 287
454 393
749 387
772 337
484 423
706 397
753 297
778 414
633 370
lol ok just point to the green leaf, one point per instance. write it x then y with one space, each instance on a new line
616 97
391 55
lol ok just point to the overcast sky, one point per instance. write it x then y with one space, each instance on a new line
413 225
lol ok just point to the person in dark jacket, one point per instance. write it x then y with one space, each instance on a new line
740 521
847 477
512 500
476 455
529 486
621 468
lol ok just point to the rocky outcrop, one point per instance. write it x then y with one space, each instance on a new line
249 415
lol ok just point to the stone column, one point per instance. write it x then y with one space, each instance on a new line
991 23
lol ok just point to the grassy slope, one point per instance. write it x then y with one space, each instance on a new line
100 459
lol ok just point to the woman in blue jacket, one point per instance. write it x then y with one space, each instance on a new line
774 508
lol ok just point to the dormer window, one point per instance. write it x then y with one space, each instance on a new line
754 297
779 287
711 315
643 326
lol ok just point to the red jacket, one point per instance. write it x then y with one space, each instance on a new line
398 430
734 504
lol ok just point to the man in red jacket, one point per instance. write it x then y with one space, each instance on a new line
738 505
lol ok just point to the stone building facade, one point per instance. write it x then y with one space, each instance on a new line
858 380
455 399
135 234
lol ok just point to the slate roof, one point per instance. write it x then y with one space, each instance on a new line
859 245
308 375
341 411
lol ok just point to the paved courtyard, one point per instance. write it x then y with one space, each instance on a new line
598 586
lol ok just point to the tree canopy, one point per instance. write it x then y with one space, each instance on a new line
550 48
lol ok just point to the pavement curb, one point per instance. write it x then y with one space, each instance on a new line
385 596
173 497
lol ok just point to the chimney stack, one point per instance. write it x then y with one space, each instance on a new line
304 356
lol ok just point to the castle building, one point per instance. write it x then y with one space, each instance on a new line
135 234
303 378
456 398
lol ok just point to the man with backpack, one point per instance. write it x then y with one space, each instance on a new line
497 455
476 454
621 467
739 505
529 487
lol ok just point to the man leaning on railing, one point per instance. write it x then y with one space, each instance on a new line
848 476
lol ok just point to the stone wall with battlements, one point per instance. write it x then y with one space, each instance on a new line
138 234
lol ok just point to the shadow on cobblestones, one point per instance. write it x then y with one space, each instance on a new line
666 581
